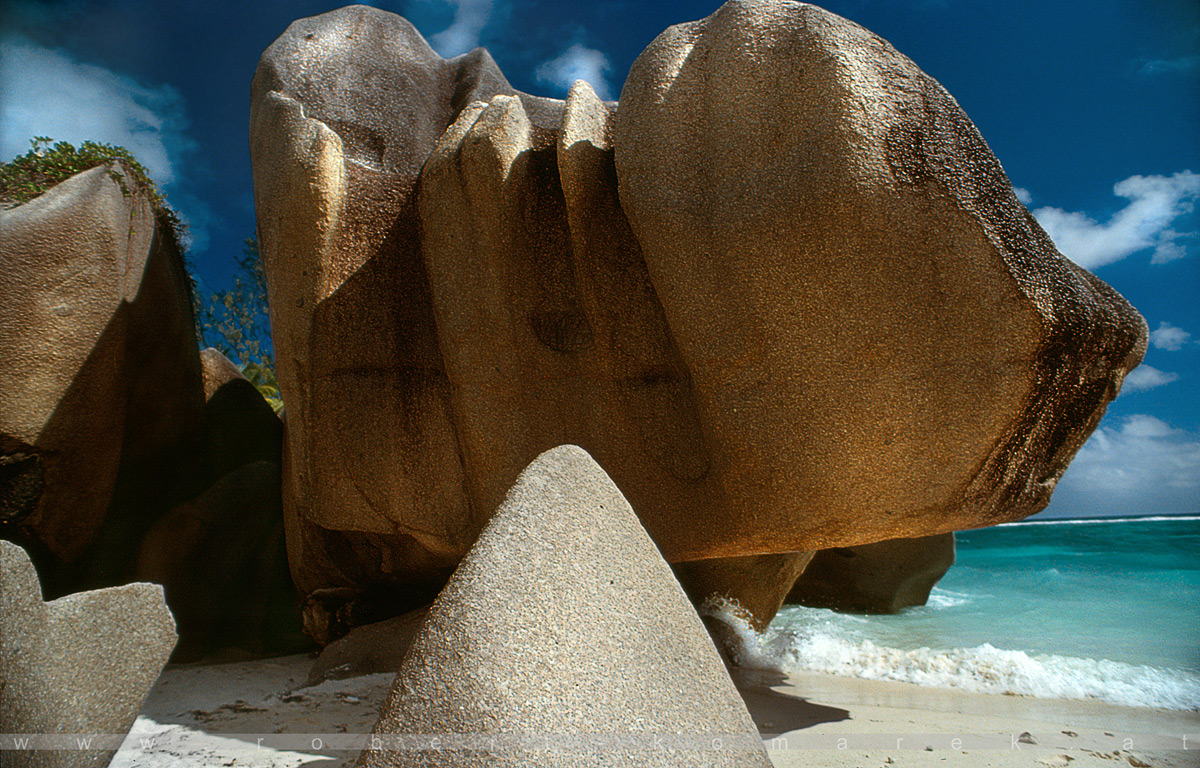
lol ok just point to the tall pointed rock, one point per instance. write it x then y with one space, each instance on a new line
563 639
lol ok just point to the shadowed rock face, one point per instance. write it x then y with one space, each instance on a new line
107 443
221 556
884 577
783 293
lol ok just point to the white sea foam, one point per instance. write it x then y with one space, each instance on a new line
944 598
1098 520
983 669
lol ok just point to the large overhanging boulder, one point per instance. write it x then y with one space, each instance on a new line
881 339
783 293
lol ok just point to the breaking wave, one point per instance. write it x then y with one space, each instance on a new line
982 669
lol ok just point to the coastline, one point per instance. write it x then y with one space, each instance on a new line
1035 520
868 722
217 715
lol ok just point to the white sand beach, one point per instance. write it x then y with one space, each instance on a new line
255 714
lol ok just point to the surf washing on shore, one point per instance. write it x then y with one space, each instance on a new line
1071 609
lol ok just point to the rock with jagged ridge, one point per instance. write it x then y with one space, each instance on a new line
78 666
434 338
783 321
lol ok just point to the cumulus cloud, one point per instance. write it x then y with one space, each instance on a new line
1142 466
1145 377
577 63
1168 337
49 93
470 17
1154 202
1023 195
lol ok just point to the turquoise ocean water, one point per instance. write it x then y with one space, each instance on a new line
1108 610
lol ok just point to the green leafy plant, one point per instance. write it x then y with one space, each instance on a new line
237 321
263 379
49 162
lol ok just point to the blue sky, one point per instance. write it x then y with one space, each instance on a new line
1093 109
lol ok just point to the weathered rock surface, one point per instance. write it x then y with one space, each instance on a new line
222 561
881 339
883 577
100 390
564 621
373 483
822 323
81 664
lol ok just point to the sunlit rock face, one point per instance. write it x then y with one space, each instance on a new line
782 292
562 620
82 664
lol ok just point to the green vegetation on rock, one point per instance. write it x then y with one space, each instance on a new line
234 321
50 162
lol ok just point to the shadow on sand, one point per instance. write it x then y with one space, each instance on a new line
774 712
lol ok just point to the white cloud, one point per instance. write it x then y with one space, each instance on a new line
1168 337
1154 202
49 93
578 63
1144 466
1023 195
470 17
1167 249
1163 66
1145 377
